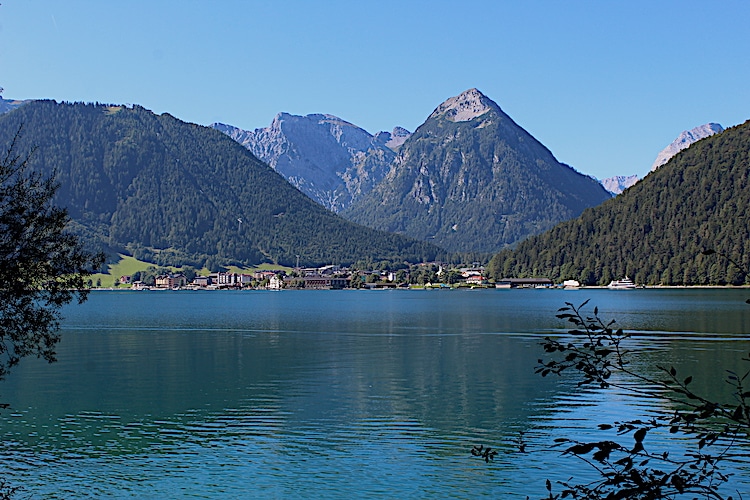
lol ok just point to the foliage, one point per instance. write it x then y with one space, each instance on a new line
487 454
173 193
653 231
7 491
475 186
421 275
627 468
42 267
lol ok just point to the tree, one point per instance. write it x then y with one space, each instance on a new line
42 266
189 273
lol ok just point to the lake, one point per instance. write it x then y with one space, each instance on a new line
334 394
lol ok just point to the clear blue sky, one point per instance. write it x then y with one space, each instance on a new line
605 85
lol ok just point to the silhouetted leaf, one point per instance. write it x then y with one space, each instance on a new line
640 434
737 413
581 449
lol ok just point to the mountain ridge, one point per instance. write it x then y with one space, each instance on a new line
619 183
684 140
330 159
7 105
155 186
467 177
656 231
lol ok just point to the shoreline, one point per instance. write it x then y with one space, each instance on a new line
423 288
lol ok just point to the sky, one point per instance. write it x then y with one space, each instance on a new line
605 85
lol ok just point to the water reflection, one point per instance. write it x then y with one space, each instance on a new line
335 394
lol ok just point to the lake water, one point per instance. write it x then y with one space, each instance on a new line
334 394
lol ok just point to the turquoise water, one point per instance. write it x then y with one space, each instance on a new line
333 394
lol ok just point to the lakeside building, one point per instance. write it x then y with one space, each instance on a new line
320 282
202 281
139 285
276 282
523 282
171 281
476 279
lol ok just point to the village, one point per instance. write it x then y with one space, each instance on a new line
332 277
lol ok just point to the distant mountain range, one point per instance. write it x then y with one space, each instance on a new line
479 203
331 160
656 231
684 140
171 192
468 180
618 183
471 180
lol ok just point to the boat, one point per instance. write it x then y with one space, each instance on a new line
623 284
571 284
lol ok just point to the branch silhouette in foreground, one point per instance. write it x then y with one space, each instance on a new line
714 432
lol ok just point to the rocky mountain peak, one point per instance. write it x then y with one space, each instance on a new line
464 107
394 139
685 139
330 159
474 186
618 183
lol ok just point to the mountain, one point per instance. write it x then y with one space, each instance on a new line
173 192
685 139
618 183
327 158
655 231
394 139
470 179
9 105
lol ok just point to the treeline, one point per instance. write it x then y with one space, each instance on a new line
655 232
175 193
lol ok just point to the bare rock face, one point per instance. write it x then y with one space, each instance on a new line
619 183
684 140
472 180
9 104
464 107
331 160
394 139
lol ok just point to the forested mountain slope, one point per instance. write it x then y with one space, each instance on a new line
655 231
471 179
174 192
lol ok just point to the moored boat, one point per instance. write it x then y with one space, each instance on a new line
571 284
623 284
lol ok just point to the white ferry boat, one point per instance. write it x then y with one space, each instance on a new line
623 284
